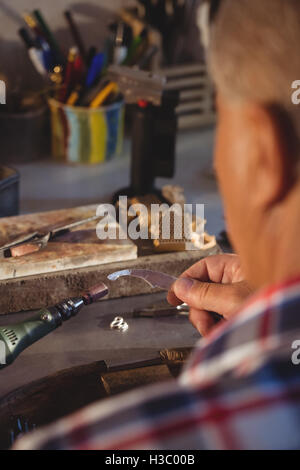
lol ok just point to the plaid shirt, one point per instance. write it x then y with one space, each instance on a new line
241 390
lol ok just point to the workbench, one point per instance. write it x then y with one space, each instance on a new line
88 337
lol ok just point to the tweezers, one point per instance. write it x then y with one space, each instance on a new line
154 279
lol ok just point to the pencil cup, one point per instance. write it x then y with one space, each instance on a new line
85 135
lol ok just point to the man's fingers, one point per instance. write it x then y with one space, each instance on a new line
220 298
203 321
172 299
197 294
218 268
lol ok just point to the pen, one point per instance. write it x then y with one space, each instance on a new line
134 46
69 74
76 34
95 69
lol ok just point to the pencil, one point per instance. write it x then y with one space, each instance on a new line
103 94
74 96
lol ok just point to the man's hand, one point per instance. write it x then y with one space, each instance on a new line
214 284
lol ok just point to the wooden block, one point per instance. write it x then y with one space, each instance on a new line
125 380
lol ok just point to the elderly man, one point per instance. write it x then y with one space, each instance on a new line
241 389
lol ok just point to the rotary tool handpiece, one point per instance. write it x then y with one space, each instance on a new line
15 338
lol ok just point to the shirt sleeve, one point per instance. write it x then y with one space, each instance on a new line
236 411
157 417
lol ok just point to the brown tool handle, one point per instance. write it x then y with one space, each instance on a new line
24 249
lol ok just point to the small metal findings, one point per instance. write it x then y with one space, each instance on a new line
119 324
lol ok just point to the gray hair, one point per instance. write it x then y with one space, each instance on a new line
253 52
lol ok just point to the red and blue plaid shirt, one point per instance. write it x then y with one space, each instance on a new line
240 390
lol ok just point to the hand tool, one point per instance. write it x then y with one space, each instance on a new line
15 338
166 311
34 241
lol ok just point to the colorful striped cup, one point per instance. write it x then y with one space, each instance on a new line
85 135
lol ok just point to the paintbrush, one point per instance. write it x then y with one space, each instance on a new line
15 338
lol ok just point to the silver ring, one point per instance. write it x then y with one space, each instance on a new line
119 323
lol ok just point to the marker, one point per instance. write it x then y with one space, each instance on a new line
112 87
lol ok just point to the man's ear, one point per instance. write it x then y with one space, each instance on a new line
272 169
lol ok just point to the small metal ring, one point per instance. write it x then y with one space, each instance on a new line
119 324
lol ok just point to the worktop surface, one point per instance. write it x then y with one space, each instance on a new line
88 338
47 185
